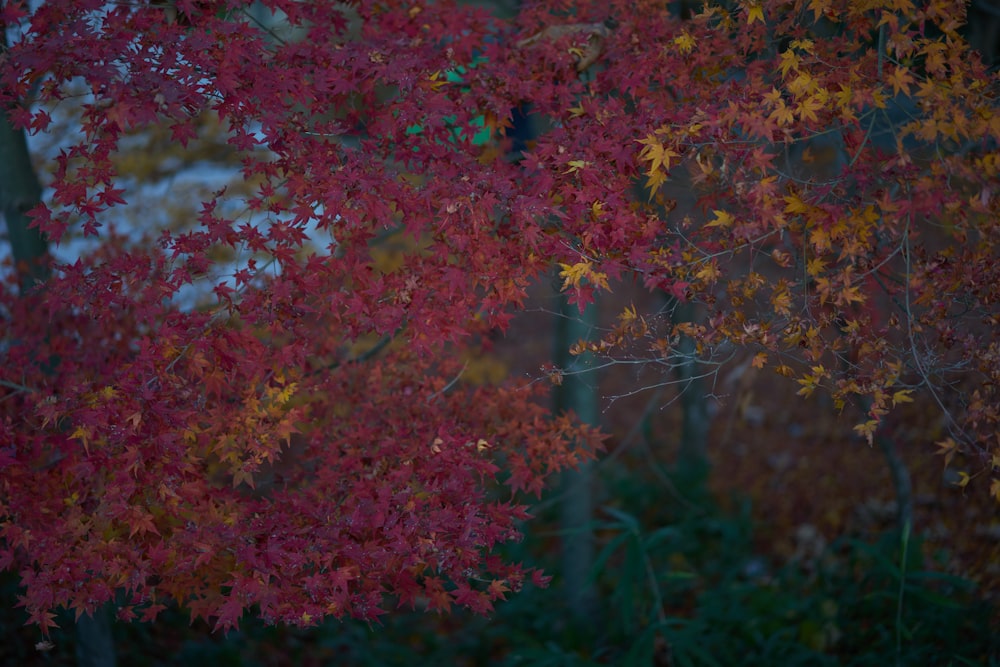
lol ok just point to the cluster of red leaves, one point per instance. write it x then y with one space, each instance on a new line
240 456
140 457
136 428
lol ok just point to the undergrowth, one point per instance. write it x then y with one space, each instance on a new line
680 584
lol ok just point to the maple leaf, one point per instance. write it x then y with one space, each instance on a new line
755 12
228 615
815 266
790 60
574 166
808 107
947 448
657 154
820 8
783 115
655 180
867 430
573 274
685 43
708 273
901 80
722 219
902 396
497 589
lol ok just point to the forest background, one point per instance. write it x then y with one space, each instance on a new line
768 490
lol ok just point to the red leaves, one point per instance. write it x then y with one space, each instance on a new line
295 431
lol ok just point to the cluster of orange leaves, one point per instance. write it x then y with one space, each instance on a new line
842 191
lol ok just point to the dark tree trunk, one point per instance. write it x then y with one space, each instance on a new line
577 393
20 191
692 458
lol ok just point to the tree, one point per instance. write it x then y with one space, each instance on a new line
843 234
844 155
137 428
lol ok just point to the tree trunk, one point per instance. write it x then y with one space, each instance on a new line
20 191
692 458
577 393
95 645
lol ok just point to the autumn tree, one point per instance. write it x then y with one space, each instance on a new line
842 155
835 166
147 438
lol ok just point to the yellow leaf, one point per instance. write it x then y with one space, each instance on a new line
811 382
851 295
843 99
808 108
803 84
806 45
773 97
653 183
722 219
576 165
793 204
867 429
901 80
82 434
963 479
684 42
782 302
656 154
572 274
902 396
947 448
437 81
759 360
995 489
815 266
789 60
782 114
851 327
820 240
819 8
708 273
755 12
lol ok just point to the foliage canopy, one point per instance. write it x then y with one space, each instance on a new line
302 441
